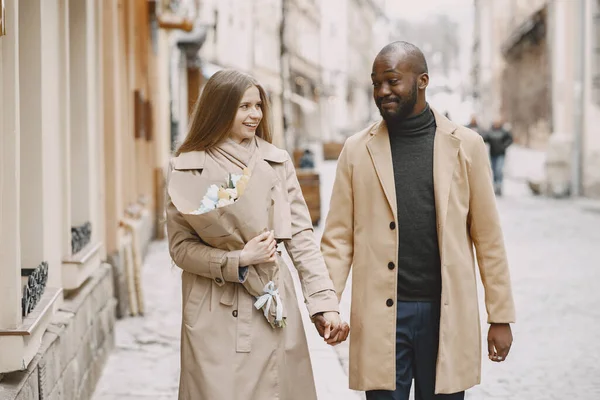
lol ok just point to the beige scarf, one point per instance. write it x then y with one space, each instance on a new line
234 157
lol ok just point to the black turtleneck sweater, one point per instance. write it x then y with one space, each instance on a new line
419 274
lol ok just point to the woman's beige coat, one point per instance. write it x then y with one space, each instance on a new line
360 232
228 349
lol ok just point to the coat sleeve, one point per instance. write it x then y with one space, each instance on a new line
337 243
486 233
508 139
192 255
303 249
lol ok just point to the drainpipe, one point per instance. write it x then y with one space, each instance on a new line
579 102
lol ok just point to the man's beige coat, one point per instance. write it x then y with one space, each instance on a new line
360 232
228 349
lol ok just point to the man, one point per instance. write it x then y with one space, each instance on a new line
473 125
499 140
412 196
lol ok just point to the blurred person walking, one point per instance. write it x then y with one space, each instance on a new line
412 199
499 139
228 348
473 125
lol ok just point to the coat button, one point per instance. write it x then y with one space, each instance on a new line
389 302
219 280
391 265
392 225
234 313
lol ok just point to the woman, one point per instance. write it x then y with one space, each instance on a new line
228 349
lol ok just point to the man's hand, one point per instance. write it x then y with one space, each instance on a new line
331 328
499 341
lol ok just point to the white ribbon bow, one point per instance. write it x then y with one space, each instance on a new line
270 294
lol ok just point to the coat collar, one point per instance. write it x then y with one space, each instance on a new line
446 146
197 159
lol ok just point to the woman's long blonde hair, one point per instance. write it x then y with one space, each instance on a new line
215 110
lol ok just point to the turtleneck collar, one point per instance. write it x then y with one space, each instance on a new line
416 124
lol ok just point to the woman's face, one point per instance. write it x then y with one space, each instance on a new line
249 115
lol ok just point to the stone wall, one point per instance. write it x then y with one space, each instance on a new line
74 348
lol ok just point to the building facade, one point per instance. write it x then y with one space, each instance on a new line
313 58
536 67
95 96
85 102
511 53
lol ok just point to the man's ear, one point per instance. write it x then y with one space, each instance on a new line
423 81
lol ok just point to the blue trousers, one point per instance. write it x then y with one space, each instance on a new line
417 337
498 168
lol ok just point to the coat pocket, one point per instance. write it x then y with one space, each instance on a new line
200 288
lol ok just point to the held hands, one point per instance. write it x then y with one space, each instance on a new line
499 341
259 250
331 328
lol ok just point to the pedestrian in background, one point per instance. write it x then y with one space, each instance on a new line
473 125
228 348
499 139
412 199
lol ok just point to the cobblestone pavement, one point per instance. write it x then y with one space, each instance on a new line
555 269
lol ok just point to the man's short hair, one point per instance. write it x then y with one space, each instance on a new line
415 54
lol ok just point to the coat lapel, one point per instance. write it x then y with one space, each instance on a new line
445 157
281 216
381 155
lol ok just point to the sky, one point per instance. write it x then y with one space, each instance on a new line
415 10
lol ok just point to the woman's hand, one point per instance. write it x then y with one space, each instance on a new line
259 250
331 328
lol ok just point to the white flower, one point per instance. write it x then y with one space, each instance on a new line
234 179
206 206
224 202
208 203
212 193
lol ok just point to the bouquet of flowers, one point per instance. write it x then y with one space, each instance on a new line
229 216
217 197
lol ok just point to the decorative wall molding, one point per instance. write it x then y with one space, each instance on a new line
80 237
34 280
77 268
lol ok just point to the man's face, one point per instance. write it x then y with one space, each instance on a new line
395 87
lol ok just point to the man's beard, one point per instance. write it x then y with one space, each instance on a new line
405 107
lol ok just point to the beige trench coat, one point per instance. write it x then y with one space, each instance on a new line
228 349
359 233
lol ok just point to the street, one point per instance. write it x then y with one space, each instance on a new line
551 246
